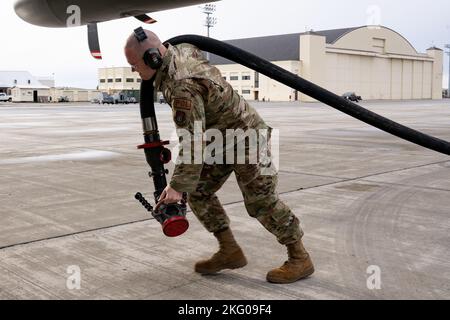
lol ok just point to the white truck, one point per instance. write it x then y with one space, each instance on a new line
4 97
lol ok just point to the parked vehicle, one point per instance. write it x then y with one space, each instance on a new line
63 99
97 99
123 98
114 99
107 99
5 98
352 96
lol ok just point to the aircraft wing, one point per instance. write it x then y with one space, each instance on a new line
57 13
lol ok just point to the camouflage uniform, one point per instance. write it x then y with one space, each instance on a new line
197 91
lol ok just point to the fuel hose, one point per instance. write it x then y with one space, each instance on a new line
277 73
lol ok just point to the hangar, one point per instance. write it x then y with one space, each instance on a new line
11 79
376 62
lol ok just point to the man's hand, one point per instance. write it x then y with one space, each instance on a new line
169 196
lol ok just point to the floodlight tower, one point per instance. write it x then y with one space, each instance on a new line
211 21
448 52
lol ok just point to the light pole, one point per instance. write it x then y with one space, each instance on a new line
209 10
210 21
448 90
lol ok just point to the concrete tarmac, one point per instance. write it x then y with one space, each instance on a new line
375 209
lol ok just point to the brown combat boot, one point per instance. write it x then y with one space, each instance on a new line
299 266
230 255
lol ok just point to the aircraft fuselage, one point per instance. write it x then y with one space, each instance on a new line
55 13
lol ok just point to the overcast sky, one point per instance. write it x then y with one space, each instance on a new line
64 52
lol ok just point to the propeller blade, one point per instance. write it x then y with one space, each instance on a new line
94 44
145 19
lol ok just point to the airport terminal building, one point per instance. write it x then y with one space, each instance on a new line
375 62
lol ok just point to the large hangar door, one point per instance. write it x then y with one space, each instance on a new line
381 80
348 73
411 79
407 76
369 77
427 80
376 78
417 79
396 76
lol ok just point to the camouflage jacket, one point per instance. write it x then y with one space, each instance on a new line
198 93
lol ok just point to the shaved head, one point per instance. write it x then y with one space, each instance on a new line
134 52
139 48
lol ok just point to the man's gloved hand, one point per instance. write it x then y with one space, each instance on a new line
169 196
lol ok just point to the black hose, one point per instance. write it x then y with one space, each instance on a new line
272 71
151 136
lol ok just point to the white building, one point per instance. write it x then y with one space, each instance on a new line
24 87
30 93
375 62
74 94
117 79
10 79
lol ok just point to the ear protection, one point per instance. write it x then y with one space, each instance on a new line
152 57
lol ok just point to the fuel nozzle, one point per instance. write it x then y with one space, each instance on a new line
139 197
172 217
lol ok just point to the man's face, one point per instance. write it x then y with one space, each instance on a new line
138 65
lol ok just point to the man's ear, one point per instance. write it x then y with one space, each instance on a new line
163 49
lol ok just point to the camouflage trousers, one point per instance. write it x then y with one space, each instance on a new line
261 201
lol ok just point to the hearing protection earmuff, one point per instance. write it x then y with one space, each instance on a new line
152 57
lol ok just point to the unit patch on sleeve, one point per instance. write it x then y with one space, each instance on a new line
180 118
183 104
